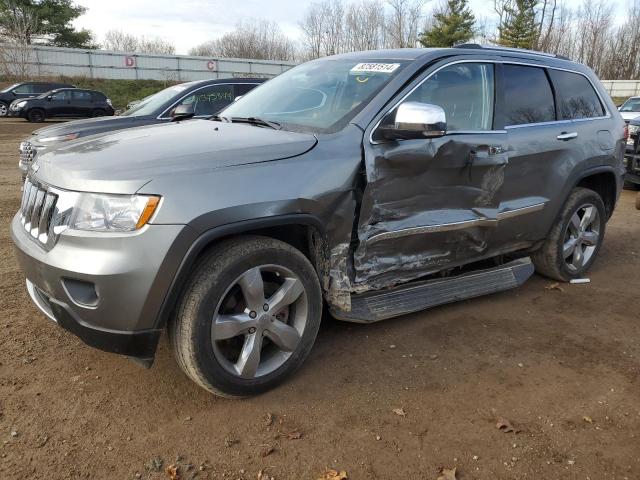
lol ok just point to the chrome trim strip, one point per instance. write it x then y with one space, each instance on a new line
174 104
494 61
35 297
448 227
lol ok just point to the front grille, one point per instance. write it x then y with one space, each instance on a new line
27 152
36 211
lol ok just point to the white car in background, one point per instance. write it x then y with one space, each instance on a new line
630 109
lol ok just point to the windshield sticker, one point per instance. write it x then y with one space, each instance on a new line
375 68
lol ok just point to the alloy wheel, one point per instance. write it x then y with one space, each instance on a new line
260 321
3 110
581 237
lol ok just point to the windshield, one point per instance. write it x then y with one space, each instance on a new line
9 88
631 105
149 105
319 97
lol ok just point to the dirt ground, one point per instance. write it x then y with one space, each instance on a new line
561 364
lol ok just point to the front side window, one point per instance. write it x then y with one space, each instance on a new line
576 96
528 97
321 96
464 91
210 100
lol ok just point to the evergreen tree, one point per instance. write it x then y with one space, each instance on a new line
452 26
520 29
53 22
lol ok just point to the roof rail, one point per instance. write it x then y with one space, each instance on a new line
508 49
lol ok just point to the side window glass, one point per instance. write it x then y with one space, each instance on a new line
64 95
41 88
244 88
210 100
80 95
528 97
26 88
465 92
576 96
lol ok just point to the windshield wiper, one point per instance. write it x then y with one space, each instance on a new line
257 121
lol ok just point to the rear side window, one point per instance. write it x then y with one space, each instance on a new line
41 88
81 95
576 96
528 97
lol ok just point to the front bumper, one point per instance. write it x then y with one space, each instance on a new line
103 288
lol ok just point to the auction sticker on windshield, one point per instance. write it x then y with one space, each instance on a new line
375 67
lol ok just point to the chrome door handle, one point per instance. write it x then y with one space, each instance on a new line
567 136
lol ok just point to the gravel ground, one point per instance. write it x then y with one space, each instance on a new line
560 364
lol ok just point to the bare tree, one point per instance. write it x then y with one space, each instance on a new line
252 39
16 52
120 41
404 22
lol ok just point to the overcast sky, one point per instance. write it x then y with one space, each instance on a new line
187 23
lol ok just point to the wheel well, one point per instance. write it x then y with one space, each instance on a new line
604 184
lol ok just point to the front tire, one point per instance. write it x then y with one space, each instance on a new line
248 317
575 238
4 109
98 112
36 115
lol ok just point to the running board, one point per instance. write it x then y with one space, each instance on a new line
375 306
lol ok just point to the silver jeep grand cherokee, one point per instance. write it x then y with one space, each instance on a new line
383 182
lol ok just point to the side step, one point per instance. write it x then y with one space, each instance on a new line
374 306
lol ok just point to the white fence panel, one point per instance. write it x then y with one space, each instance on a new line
53 61
622 88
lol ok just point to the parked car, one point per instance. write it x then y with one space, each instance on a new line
386 182
630 109
632 156
206 97
62 102
20 91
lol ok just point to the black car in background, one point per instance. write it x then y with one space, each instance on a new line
632 156
204 98
20 91
62 102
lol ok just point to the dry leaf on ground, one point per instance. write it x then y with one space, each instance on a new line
266 451
172 472
447 474
554 286
506 426
400 412
295 435
587 419
334 475
268 419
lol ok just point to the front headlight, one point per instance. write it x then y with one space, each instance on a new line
111 213
18 105
59 138
634 129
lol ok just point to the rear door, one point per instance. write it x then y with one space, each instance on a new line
81 103
431 204
26 90
547 113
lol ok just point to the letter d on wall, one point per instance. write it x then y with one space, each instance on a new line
129 61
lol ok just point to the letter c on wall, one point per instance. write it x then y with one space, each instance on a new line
212 65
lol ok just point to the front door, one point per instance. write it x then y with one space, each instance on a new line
432 204
60 104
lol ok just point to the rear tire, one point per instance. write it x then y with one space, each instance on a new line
230 333
575 238
98 112
36 115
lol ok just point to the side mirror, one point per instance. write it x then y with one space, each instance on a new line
182 112
415 120
237 98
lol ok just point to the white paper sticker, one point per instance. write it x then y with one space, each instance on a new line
375 68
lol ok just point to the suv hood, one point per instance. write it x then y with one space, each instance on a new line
123 161
629 115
